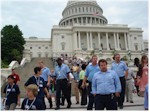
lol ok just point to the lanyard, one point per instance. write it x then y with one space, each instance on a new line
28 107
37 80
9 91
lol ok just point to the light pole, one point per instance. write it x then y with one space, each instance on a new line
143 52
129 54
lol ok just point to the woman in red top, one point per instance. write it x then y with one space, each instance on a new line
16 76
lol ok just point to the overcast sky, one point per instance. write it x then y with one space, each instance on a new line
36 17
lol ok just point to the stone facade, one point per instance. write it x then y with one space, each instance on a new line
83 30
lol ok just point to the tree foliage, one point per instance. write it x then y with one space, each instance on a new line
12 42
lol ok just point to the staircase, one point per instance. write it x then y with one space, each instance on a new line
28 70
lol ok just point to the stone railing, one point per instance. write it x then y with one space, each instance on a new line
23 62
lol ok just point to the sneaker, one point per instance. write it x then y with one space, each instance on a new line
131 102
77 102
127 101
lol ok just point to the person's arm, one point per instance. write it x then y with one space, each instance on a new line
85 78
46 91
94 85
117 85
18 92
126 70
28 82
49 78
18 102
126 73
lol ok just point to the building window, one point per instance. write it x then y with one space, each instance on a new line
136 47
119 37
86 9
101 37
83 9
134 38
63 45
39 47
79 9
46 47
30 47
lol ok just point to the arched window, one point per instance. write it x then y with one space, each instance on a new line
79 9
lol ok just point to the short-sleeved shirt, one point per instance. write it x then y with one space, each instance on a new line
16 77
82 74
62 71
12 93
45 73
39 82
90 71
119 68
37 105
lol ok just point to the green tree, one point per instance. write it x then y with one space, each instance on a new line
12 42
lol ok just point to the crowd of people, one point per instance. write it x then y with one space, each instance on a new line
93 81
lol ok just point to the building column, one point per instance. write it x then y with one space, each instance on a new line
107 43
125 41
77 21
95 21
91 20
86 20
81 20
118 41
72 22
75 40
115 41
91 42
87 37
79 39
99 41
129 42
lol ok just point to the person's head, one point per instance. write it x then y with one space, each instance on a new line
103 65
32 90
83 66
10 79
117 58
59 61
41 64
38 70
94 59
144 59
13 71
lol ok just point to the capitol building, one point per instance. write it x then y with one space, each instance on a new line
84 30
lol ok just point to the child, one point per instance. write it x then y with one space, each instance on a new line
52 90
39 81
31 102
12 94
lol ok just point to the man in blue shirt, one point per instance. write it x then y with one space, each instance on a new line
39 81
62 76
122 71
105 87
46 76
91 69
